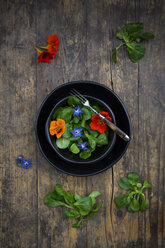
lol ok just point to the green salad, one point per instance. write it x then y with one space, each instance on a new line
78 128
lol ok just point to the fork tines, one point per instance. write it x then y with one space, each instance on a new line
78 95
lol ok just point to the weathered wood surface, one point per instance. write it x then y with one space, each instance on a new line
86 31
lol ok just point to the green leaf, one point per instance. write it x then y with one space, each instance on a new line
95 194
66 114
84 204
122 34
83 122
77 197
121 201
74 139
93 133
134 205
56 196
114 56
130 197
136 51
49 201
67 131
93 201
146 185
147 36
56 113
124 183
77 224
133 177
127 30
60 191
144 36
73 100
139 185
102 139
74 148
85 154
130 209
86 113
143 205
69 197
129 33
72 214
132 28
97 207
62 143
76 119
91 140
89 216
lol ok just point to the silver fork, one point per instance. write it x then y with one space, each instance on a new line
86 103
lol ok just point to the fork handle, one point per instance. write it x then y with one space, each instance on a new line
116 129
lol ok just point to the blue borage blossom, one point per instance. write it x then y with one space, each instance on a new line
82 146
77 132
77 111
24 163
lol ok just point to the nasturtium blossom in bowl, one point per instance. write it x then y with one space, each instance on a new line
77 134
98 124
57 128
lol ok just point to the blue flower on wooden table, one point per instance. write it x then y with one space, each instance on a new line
24 163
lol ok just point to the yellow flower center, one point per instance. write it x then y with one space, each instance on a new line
58 129
101 122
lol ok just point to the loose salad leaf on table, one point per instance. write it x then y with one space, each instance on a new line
135 199
79 208
130 36
78 128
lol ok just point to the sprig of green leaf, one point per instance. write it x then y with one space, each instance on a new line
135 199
78 207
129 33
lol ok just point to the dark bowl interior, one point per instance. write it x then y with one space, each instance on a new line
101 92
65 154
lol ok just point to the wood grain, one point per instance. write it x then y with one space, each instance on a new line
86 31
151 135
18 110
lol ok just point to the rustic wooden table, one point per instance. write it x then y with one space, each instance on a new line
86 31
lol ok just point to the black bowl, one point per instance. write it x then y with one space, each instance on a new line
65 154
100 92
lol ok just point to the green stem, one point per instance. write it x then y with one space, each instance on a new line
132 193
121 44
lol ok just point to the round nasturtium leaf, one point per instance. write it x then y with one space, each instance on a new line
73 100
74 148
62 143
85 154
86 113
67 133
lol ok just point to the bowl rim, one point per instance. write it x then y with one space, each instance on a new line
37 138
83 162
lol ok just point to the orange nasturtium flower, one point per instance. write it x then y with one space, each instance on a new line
98 124
51 49
43 56
53 43
57 127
